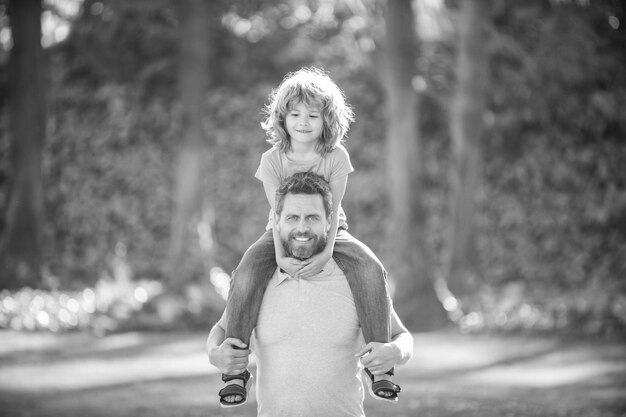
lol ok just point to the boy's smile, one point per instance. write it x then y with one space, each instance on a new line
304 124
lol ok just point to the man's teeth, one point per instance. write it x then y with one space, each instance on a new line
301 239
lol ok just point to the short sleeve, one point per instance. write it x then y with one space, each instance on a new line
340 164
269 167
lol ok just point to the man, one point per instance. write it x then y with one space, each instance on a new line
307 339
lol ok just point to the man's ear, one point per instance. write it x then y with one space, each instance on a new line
329 221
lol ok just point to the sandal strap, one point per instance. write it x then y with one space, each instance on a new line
385 386
233 389
389 372
244 376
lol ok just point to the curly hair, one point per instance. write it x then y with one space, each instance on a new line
304 183
312 87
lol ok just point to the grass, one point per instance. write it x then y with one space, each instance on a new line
168 374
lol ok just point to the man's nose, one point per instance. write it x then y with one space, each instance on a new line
302 226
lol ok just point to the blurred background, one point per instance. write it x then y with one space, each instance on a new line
489 149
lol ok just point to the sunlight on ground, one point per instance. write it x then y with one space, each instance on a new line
545 375
437 353
79 362
509 361
41 362
555 368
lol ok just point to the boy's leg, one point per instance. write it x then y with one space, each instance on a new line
368 282
367 279
247 287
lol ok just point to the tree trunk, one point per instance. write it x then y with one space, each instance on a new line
463 266
193 80
21 247
411 261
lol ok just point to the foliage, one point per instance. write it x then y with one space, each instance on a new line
554 199
552 206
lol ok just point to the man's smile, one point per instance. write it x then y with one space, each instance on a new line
302 238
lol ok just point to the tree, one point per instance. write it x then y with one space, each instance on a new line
192 81
21 246
463 263
412 263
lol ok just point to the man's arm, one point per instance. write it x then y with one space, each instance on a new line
223 352
381 357
401 338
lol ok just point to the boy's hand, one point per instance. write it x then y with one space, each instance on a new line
290 265
315 264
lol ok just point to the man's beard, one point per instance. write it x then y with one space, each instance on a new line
303 252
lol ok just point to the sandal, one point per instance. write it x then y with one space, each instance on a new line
378 388
234 389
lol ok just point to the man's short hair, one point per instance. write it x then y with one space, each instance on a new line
304 183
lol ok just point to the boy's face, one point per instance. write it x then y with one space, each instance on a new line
304 124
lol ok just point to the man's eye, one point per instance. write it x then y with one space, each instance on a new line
314 116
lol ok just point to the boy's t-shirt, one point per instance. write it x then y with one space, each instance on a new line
275 166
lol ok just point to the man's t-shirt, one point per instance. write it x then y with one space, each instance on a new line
305 340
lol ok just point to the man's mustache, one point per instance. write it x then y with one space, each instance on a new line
305 235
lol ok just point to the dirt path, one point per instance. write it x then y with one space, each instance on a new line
168 375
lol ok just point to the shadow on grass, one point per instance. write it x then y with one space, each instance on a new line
167 374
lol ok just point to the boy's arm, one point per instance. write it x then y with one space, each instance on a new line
222 351
317 262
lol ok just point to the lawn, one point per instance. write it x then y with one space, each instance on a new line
168 374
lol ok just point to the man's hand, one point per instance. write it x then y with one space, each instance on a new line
379 357
290 265
315 264
227 358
